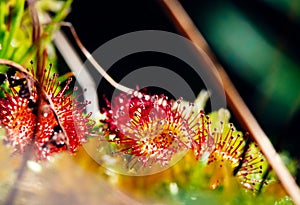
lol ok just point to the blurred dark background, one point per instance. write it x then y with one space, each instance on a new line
257 43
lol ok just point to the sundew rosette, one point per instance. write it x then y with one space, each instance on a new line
147 133
66 129
42 113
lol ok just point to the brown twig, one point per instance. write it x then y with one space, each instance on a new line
236 103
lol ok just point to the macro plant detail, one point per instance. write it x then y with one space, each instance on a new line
44 118
236 152
42 113
19 120
152 129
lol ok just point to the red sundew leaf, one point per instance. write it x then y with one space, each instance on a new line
18 119
202 141
152 129
54 123
73 121
49 137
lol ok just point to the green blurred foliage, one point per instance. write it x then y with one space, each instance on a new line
17 42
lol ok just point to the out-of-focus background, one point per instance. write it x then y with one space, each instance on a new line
257 43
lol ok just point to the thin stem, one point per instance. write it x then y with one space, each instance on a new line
93 61
73 60
240 109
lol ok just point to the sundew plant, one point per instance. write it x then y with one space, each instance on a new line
139 147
